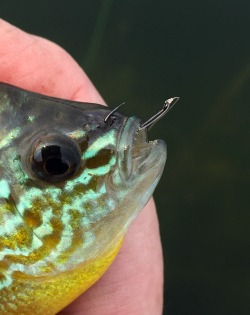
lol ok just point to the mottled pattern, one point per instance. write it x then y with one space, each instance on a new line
60 236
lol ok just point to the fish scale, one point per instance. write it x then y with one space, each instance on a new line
73 176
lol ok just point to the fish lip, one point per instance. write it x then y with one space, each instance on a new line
125 146
134 151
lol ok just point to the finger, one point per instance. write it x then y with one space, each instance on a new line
133 285
39 65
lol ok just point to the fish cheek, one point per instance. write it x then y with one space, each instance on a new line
21 236
102 158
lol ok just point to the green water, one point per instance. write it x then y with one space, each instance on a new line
143 52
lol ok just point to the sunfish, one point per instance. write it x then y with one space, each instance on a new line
73 176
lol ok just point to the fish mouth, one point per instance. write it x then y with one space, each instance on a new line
136 155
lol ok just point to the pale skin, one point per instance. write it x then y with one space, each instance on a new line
134 283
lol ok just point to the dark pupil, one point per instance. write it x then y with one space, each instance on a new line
56 166
53 161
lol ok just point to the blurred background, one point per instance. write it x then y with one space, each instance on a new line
143 52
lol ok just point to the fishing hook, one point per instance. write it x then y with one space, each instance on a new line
168 104
112 112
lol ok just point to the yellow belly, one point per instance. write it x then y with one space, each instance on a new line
47 296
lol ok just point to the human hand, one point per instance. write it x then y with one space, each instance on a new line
133 284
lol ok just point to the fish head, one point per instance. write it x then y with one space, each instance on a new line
73 176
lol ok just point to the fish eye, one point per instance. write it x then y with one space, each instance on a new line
54 158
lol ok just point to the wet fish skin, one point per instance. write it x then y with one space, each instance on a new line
59 231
